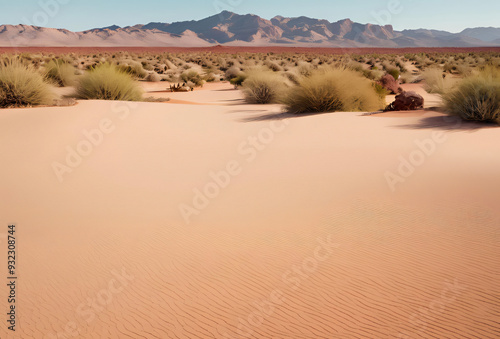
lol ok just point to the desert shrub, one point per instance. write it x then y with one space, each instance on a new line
133 68
475 98
63 74
194 77
210 77
21 86
273 66
294 78
407 78
401 67
373 74
333 90
238 81
147 66
436 81
232 72
464 70
394 72
304 69
381 91
153 77
449 67
263 87
108 82
170 65
355 66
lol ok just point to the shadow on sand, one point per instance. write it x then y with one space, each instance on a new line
279 116
449 123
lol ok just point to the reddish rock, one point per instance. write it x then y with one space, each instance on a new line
390 84
407 101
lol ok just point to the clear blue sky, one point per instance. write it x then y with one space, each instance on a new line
77 15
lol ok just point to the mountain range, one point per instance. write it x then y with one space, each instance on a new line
228 28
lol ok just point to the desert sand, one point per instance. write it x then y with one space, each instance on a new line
205 217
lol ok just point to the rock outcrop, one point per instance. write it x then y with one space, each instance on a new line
390 84
406 101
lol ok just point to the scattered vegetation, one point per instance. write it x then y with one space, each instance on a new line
394 72
135 69
437 82
263 87
153 77
192 78
476 98
282 73
60 72
332 90
21 85
107 82
238 80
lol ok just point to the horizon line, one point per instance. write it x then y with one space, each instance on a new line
251 14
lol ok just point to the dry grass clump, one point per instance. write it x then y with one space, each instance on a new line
292 77
273 66
331 90
21 86
407 78
394 72
304 69
476 98
437 82
263 87
193 78
107 82
210 77
232 72
133 68
373 74
60 72
153 77
238 81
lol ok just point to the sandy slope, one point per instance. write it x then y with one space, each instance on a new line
29 36
307 240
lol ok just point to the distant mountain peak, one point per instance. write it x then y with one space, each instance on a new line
111 28
229 28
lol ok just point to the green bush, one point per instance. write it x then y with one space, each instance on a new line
394 72
21 86
107 82
381 91
238 80
373 74
263 87
475 98
61 73
333 90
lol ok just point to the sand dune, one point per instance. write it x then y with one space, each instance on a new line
29 36
303 237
